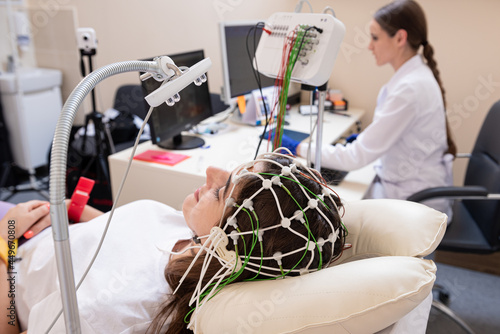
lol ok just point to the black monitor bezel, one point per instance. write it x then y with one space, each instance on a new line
173 138
228 92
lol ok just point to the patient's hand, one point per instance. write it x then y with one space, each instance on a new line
29 216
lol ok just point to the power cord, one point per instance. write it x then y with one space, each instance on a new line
257 77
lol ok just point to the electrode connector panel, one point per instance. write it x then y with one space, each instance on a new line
317 39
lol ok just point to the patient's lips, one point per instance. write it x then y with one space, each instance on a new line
197 195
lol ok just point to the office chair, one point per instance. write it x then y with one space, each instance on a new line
475 226
129 101
217 104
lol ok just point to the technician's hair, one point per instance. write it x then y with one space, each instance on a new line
171 316
408 15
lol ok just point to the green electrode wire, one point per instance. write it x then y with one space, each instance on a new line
317 197
306 224
283 97
234 275
309 233
251 251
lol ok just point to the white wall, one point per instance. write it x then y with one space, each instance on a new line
464 34
465 37
26 58
141 29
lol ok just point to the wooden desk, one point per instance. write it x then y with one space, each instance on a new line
227 149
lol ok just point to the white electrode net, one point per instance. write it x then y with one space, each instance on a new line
232 263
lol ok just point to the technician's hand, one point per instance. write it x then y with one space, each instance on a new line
289 143
351 138
31 217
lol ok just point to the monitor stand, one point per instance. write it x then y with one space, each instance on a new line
182 142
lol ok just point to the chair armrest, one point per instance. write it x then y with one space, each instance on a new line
454 192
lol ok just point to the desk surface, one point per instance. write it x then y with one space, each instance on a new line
227 149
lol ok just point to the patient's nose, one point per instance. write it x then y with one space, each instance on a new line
216 176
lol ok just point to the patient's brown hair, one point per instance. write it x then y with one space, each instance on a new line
170 318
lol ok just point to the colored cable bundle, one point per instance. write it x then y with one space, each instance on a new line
291 51
290 54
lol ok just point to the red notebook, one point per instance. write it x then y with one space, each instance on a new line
161 157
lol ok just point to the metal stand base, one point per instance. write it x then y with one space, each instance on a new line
40 186
448 321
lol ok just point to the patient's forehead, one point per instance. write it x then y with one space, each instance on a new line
259 167
256 167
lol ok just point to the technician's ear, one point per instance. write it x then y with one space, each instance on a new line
401 37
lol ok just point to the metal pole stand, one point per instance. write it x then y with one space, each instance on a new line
319 126
319 122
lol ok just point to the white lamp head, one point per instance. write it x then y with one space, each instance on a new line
169 91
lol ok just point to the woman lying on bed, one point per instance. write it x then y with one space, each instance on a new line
158 266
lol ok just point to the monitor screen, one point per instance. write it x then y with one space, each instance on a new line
166 122
238 73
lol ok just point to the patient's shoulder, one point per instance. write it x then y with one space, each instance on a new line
145 204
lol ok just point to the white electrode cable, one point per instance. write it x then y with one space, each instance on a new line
298 7
329 9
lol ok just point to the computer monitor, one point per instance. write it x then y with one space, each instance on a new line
238 76
168 123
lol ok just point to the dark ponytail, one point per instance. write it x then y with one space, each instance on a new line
409 16
429 57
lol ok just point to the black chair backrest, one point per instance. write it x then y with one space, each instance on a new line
484 170
217 104
130 98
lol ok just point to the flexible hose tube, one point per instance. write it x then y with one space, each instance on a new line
65 122
58 212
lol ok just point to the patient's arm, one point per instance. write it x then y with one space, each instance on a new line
88 212
32 215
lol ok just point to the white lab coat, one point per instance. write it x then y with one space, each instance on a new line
407 136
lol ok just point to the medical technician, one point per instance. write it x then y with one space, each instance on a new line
409 134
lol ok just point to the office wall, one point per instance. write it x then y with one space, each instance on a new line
465 37
464 34
26 58
142 29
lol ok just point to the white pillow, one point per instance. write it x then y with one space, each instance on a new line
362 296
379 227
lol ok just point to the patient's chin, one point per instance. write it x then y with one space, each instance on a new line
187 205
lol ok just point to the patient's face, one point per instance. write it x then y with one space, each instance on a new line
204 208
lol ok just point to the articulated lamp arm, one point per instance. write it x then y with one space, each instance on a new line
161 69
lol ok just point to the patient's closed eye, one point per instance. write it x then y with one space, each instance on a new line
216 192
